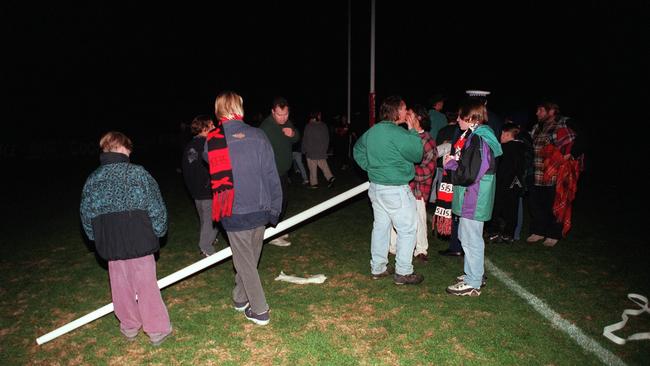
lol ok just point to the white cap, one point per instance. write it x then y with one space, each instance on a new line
477 93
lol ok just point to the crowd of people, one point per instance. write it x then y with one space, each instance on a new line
469 173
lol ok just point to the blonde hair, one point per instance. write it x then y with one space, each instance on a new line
228 104
112 141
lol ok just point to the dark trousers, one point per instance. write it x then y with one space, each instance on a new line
543 221
284 183
504 214
454 242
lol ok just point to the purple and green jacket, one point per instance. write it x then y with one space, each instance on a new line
474 175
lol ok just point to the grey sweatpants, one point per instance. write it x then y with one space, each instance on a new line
208 231
246 249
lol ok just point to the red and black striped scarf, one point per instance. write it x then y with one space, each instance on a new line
442 215
221 179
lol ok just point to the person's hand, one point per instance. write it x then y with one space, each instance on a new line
288 131
411 120
446 158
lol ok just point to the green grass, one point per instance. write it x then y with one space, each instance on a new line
49 277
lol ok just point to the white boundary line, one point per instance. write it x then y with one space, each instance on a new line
587 343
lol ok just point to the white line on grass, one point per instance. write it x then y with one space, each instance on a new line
587 343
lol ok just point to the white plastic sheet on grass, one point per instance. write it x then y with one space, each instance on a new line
319 278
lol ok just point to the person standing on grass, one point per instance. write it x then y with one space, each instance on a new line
123 212
421 184
247 196
551 132
197 180
509 186
282 135
472 168
315 143
388 153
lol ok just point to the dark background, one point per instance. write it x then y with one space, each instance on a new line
74 72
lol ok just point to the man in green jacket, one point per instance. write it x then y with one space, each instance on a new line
282 134
388 153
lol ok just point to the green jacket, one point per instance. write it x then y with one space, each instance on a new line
280 142
438 121
388 153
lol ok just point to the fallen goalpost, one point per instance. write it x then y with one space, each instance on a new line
208 261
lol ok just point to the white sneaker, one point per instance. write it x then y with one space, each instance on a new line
463 289
281 241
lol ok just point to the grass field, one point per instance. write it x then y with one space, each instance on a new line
49 277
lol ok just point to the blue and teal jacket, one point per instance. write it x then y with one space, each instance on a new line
122 209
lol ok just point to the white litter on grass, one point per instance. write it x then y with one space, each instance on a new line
575 333
319 278
609 330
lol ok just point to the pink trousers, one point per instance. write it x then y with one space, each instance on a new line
136 297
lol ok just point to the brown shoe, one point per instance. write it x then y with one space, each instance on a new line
422 257
410 279
389 271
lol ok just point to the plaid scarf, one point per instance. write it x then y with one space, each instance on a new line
567 173
442 215
221 179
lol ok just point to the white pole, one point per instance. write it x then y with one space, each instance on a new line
371 95
372 46
208 261
349 58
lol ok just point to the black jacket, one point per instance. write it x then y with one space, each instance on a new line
195 170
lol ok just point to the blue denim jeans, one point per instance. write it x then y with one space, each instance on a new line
392 206
470 233
297 164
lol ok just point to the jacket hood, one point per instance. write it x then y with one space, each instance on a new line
485 132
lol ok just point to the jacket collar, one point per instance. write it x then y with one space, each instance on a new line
112 158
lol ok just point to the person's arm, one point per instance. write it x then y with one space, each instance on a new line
469 165
564 138
410 146
272 179
156 206
360 152
427 167
86 210
296 133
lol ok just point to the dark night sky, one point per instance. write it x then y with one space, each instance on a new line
83 70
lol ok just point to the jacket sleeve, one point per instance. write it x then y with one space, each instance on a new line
469 164
360 152
427 167
86 209
296 134
410 147
272 180
155 205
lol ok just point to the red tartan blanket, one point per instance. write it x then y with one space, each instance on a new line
567 172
